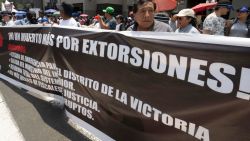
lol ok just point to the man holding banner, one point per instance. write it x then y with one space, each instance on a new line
144 12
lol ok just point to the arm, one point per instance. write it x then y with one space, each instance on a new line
102 24
206 31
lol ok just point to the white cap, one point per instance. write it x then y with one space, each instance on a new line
186 12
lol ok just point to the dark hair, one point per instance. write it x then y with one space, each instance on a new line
31 17
226 4
4 13
67 9
216 8
193 21
141 2
120 17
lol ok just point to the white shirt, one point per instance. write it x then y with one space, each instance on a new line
70 22
188 29
117 28
10 23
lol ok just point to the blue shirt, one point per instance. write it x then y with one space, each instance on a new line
188 29
111 23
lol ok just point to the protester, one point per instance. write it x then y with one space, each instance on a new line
120 26
214 24
31 18
129 21
186 22
66 11
7 19
110 22
144 12
84 20
241 26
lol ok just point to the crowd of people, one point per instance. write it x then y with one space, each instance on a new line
142 19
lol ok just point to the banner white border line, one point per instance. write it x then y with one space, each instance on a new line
96 132
50 97
43 95
188 37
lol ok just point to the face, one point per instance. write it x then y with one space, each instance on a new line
145 15
118 20
242 15
224 11
6 18
183 21
40 14
105 15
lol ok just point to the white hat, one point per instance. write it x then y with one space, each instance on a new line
186 12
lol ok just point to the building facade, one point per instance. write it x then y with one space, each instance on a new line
93 7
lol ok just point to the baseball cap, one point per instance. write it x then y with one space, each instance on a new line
186 12
109 10
225 4
243 9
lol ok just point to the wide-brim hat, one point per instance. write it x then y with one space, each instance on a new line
186 13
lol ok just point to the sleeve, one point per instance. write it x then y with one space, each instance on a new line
112 25
208 24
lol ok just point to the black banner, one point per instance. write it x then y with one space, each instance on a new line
138 88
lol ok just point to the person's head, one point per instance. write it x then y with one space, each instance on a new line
66 10
119 19
30 15
6 16
41 13
109 11
243 13
131 14
223 7
185 17
144 11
